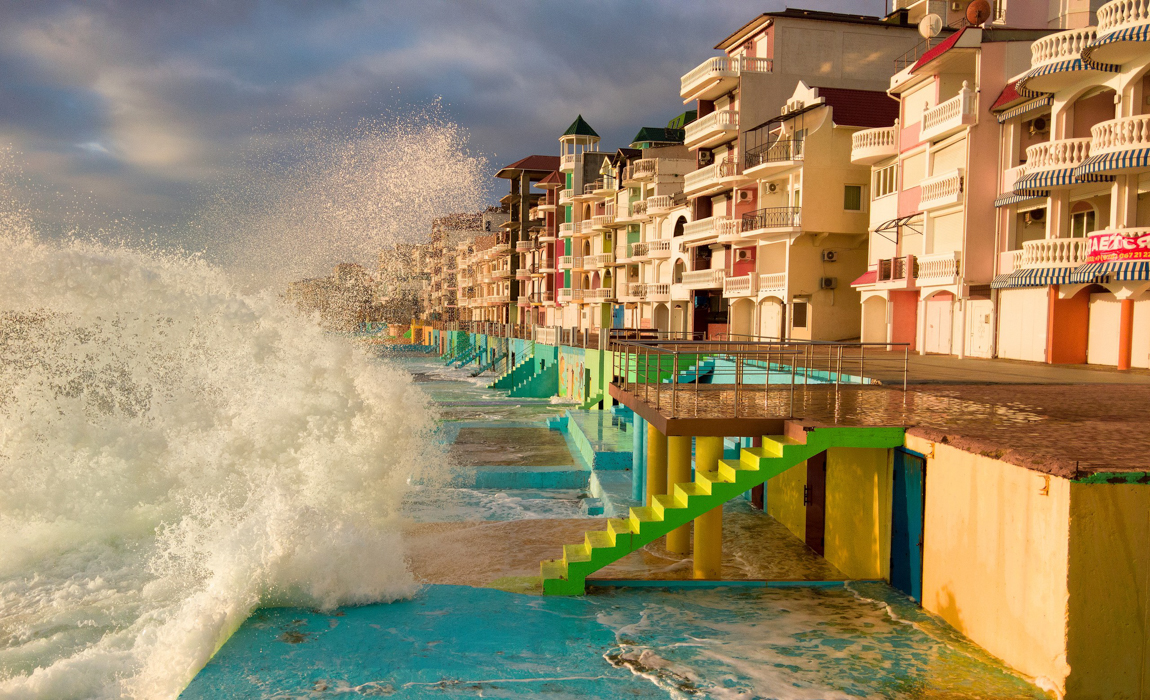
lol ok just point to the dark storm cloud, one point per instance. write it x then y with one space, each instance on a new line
145 104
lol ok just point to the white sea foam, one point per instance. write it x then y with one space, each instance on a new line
173 454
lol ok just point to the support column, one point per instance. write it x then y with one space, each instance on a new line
638 460
708 526
678 472
1125 333
656 464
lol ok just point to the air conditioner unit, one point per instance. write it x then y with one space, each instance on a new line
830 256
743 254
1039 126
828 282
1034 216
745 195
706 158
956 6
772 187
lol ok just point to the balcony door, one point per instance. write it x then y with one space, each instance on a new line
939 323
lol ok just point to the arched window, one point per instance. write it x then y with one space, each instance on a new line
677 273
679 226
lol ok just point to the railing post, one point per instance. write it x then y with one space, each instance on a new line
674 382
792 409
839 367
738 379
862 362
905 360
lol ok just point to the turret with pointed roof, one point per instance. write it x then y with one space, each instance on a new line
580 127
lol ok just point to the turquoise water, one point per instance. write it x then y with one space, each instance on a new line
864 641
461 642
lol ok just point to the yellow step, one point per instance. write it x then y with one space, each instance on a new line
575 553
553 569
683 492
708 480
642 515
775 444
730 468
660 504
618 526
599 539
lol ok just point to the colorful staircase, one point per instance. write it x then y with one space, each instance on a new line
489 365
687 501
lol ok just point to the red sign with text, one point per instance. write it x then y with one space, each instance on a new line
1111 246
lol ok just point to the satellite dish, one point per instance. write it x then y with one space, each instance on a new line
978 12
930 26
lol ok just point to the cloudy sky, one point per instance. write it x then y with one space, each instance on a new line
136 107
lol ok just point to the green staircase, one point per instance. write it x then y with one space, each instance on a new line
687 501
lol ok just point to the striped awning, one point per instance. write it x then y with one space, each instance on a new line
1015 198
1125 271
1036 277
1068 66
1137 33
1120 160
1025 107
1043 180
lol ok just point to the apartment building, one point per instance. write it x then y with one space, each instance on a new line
1073 247
736 93
588 187
518 235
931 260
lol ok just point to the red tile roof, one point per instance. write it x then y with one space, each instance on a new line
555 179
1009 94
939 50
868 277
865 108
537 163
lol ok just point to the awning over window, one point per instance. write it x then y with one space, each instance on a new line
1134 34
868 277
1125 271
1067 66
1024 197
1037 277
1025 107
1112 161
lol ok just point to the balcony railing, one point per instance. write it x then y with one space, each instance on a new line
639 209
524 246
781 151
566 262
1119 14
605 219
1120 134
716 125
772 217
703 279
703 227
709 176
721 67
523 273
566 295
584 228
872 145
941 190
643 169
1062 154
1054 252
664 203
659 249
895 269
950 116
598 294
600 260
567 162
741 286
1063 46
772 282
639 250
566 196
939 269
566 230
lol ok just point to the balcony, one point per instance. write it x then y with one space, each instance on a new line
704 229
568 162
771 221
640 170
659 250
1055 61
718 75
703 279
598 295
639 209
639 250
657 293
713 129
566 230
951 116
896 273
712 179
622 253
566 197
869 146
663 204
599 261
773 284
523 274
500 249
605 220
1053 252
524 246
1118 137
939 269
546 236
584 228
729 230
778 155
941 190
524 300
741 286
566 262
1120 24
566 295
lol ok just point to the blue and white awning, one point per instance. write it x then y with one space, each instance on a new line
1043 180
1126 271
1137 33
1025 107
1119 160
1037 277
1068 66
1023 197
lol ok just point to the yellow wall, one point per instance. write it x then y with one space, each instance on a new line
785 499
858 511
995 557
1108 645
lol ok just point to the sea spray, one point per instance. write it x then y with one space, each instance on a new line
173 454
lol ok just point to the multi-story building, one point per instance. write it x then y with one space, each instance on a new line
519 234
1072 239
933 184
738 92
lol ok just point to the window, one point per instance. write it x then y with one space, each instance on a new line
885 181
1081 223
852 197
799 314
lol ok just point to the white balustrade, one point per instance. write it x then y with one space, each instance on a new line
703 279
1061 154
742 285
1062 46
1120 134
1120 14
715 123
951 115
722 67
941 190
1054 252
772 281
939 266
871 145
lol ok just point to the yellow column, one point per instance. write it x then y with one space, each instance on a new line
678 472
656 463
708 526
